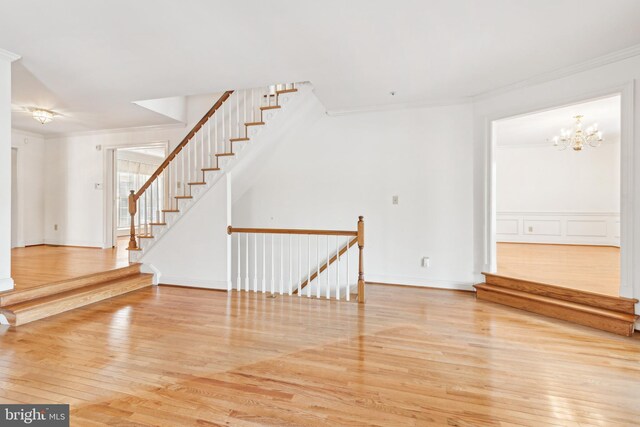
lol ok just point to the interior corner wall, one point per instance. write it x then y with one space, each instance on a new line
337 168
30 185
6 282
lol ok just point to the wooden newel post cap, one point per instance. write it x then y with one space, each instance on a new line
229 230
360 218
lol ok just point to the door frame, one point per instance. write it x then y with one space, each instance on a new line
627 186
109 214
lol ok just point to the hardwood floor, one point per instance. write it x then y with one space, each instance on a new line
178 357
587 268
38 265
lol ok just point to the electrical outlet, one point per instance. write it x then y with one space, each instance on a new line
426 262
530 229
394 200
55 227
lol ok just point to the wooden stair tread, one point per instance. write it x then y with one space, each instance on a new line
239 139
197 183
145 236
270 107
16 296
225 154
157 223
170 210
184 197
622 304
254 124
210 169
286 91
28 311
560 303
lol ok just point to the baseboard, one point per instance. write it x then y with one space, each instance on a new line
420 282
6 284
193 282
74 243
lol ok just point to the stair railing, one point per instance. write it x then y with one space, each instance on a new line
311 263
227 122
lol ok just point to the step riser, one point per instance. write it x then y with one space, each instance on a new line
123 286
575 316
67 285
623 305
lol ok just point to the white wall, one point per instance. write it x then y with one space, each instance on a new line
74 166
31 193
337 168
607 79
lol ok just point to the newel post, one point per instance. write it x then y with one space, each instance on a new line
133 244
361 259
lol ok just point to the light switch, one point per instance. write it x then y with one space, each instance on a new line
394 200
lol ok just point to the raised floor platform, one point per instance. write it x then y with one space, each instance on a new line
604 312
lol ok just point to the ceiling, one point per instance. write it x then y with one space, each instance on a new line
91 60
537 128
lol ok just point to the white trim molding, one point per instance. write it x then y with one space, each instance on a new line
9 56
569 228
420 282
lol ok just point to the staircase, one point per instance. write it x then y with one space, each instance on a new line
24 306
209 151
607 313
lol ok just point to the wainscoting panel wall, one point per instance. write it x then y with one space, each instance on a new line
585 228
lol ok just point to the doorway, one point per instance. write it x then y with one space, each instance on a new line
130 167
558 198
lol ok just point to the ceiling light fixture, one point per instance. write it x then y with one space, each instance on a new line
578 138
43 116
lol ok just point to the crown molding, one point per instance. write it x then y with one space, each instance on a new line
9 56
27 133
116 130
400 106
590 64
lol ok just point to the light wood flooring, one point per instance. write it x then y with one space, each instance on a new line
587 268
38 265
173 356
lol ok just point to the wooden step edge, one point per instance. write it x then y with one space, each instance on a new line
270 107
145 236
29 311
183 197
239 139
279 92
254 124
170 210
157 223
622 304
562 312
560 303
209 169
196 183
225 154
136 249
20 295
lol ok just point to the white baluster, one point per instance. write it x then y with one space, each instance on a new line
208 144
238 114
146 214
255 263
348 285
290 265
299 265
281 264
201 152
273 268
239 279
328 291
264 263
309 266
337 267
215 132
244 105
317 266
246 276
253 106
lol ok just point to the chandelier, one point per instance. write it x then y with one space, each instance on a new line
43 116
578 138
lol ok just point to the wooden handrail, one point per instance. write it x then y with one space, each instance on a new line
183 143
327 264
231 230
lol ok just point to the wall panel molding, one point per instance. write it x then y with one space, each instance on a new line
577 228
